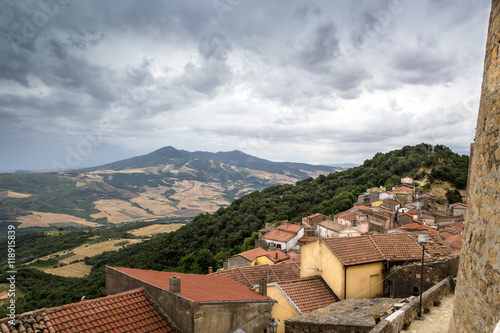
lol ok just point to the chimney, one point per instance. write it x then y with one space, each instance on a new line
276 255
263 287
210 270
175 285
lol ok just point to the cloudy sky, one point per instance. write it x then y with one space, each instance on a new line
84 83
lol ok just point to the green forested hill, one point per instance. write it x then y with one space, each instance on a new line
210 237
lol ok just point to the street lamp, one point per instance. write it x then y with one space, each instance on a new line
273 325
422 239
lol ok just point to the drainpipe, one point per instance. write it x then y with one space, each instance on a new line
345 282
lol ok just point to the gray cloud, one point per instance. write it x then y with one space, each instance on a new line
287 80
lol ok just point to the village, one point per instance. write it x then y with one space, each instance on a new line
338 273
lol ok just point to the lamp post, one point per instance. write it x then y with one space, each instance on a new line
422 239
273 325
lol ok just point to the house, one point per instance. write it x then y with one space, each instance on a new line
405 219
458 209
417 226
386 195
354 218
333 229
313 220
298 297
129 311
407 180
377 222
284 237
4 295
245 258
440 208
436 247
271 258
390 204
197 303
351 266
427 218
249 276
403 194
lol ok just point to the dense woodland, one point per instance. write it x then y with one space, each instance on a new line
211 238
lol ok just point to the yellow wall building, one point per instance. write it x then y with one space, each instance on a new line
297 297
351 266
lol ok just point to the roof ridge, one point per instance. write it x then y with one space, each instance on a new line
239 270
94 300
376 247
272 270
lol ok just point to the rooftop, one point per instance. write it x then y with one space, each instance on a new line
198 288
277 256
283 233
252 254
250 275
349 313
309 294
354 250
131 311
334 226
397 246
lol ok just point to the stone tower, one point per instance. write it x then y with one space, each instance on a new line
477 297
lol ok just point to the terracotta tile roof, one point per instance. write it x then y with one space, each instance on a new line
131 311
417 225
198 288
392 202
250 275
455 242
458 226
397 246
277 256
402 189
445 234
252 254
424 216
3 293
458 205
307 239
354 250
309 294
283 233
334 226
436 246
316 215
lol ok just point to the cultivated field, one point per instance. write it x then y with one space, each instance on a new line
119 211
91 250
156 229
39 219
78 269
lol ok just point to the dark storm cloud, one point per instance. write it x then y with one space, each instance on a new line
299 75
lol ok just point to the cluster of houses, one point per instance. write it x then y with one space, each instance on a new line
318 266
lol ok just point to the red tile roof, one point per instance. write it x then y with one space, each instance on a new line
198 288
436 246
397 246
414 226
250 275
455 242
445 234
354 250
392 202
334 226
458 226
402 189
277 256
283 233
309 294
131 311
252 254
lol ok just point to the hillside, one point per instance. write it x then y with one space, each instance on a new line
167 183
213 237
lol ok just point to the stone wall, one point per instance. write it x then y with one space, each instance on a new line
477 304
394 322
405 279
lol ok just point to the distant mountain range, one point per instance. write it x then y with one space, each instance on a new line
167 183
